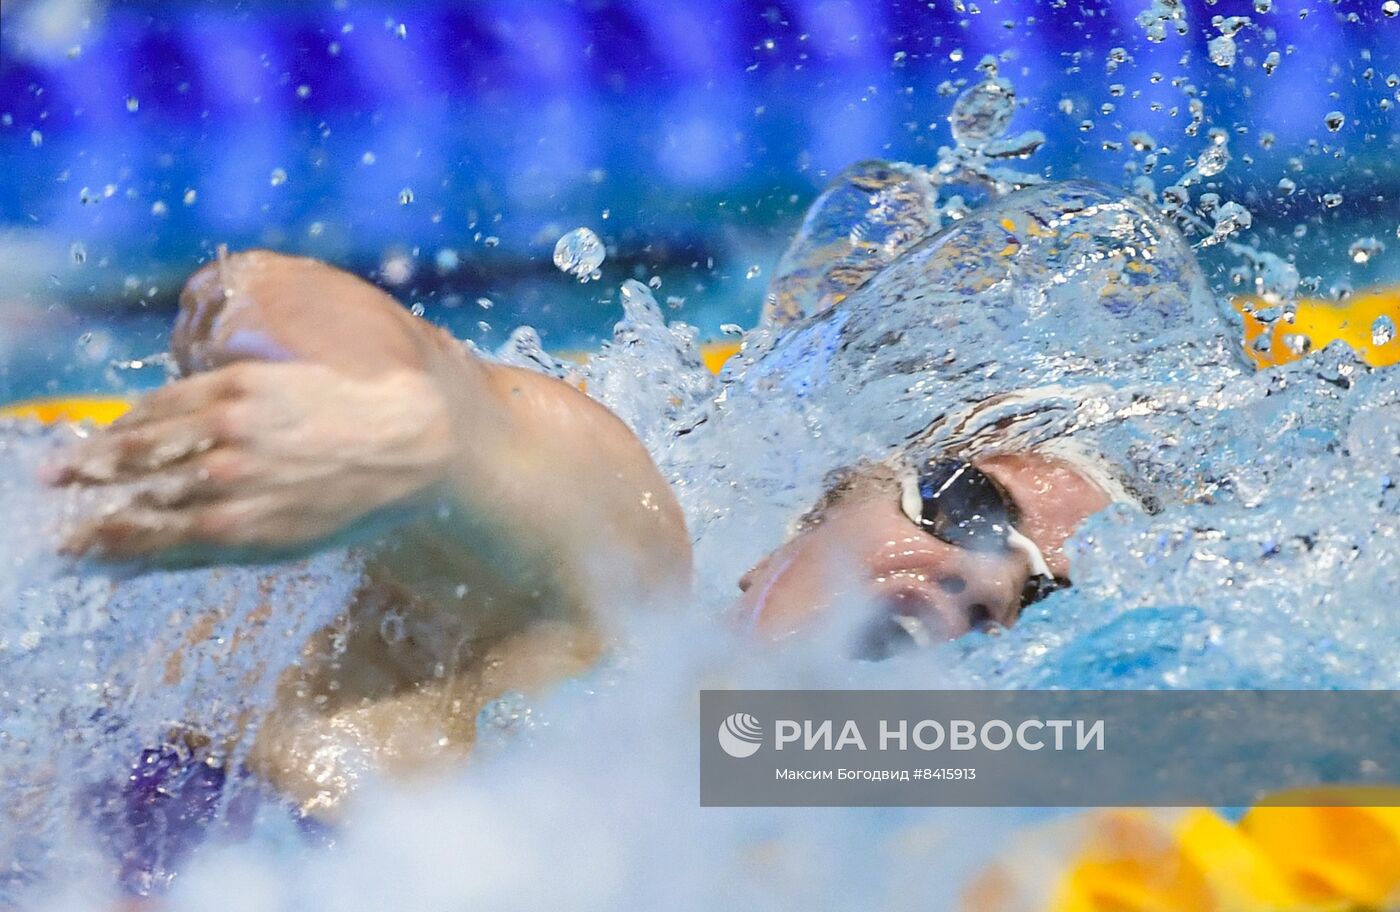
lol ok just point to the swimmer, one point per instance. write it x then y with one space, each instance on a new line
505 511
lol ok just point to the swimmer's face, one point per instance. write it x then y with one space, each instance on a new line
924 588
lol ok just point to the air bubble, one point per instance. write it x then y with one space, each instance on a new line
1335 120
579 253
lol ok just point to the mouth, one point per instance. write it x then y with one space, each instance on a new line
906 618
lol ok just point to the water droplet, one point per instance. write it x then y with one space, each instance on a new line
133 104
1297 343
1382 330
159 209
1335 120
405 196
1222 50
1331 200
278 178
1391 8
316 229
982 112
579 253
654 281
1263 6
731 329
417 309
1142 142
396 269
36 139
485 303
391 627
447 260
1363 250
955 55
78 252
303 91
492 241
367 158
1286 186
1229 219
1271 62
190 197
1212 161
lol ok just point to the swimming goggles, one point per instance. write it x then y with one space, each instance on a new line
963 506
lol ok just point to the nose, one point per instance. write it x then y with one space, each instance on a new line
915 613
911 588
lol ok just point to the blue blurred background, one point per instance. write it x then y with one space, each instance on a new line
442 148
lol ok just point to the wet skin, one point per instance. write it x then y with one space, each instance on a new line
505 510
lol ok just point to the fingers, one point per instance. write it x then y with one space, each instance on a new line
130 454
129 532
252 527
184 397
166 426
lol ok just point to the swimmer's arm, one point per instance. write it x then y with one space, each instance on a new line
377 417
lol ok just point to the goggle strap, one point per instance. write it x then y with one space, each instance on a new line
1019 542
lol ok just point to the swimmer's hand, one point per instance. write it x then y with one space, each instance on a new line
258 460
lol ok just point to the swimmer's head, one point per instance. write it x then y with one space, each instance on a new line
937 548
